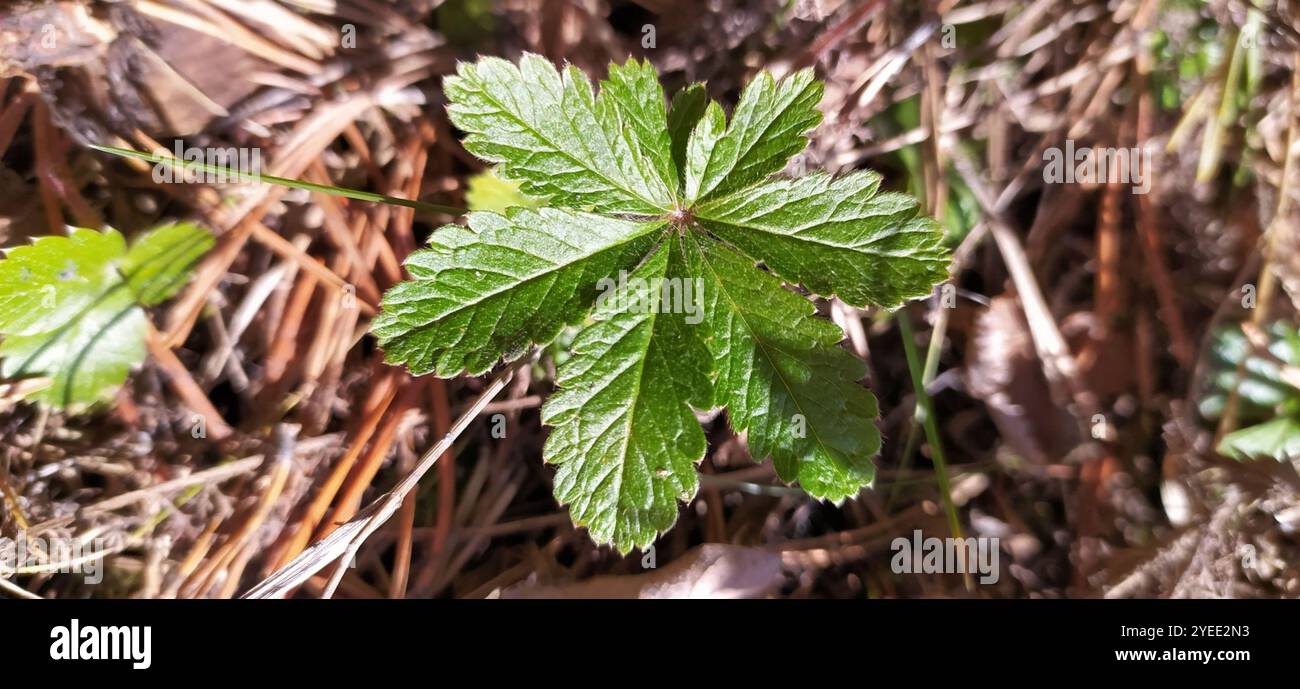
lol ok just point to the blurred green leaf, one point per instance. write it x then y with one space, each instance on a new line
72 307
1261 389
1277 439
466 22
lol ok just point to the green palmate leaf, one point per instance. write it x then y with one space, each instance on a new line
552 135
1277 439
491 290
659 221
625 440
72 311
782 377
835 236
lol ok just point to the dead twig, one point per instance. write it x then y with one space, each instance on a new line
344 542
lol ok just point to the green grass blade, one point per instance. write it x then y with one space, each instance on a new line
232 173
931 430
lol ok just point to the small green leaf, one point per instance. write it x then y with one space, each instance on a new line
488 192
1278 439
72 306
87 358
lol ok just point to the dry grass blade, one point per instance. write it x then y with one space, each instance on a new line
215 475
342 544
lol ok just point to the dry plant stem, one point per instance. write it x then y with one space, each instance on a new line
834 35
410 174
1149 225
1267 279
379 252
358 143
336 228
402 558
330 322
185 311
446 485
216 474
184 384
212 570
82 212
349 500
13 114
49 198
11 500
297 539
198 551
245 546
343 543
1108 289
52 169
319 270
242 316
526 402
1058 364
284 344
